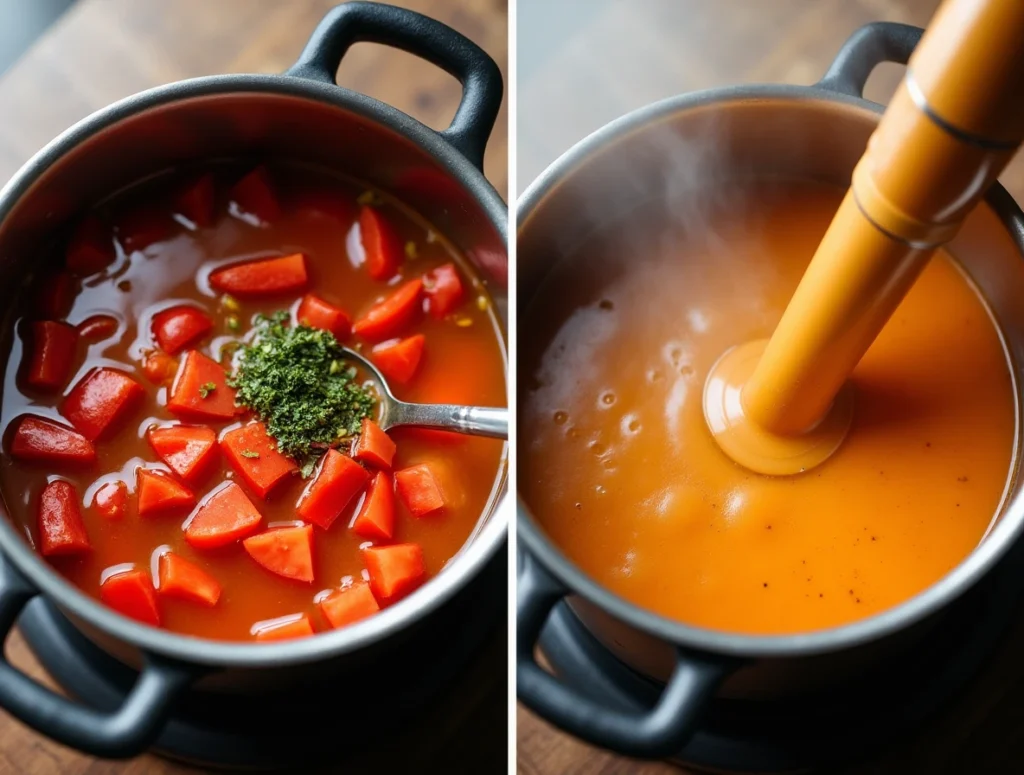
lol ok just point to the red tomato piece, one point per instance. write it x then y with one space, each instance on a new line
111 500
340 479
61 529
254 195
317 313
100 401
348 606
131 593
186 581
265 277
300 627
395 571
159 493
226 516
39 439
97 328
90 249
188 450
388 317
201 390
374 446
143 227
420 489
443 289
180 326
398 359
159 367
53 355
56 295
376 517
286 551
195 201
381 244
254 455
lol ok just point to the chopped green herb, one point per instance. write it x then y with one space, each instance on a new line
249 453
232 321
307 468
207 388
411 250
230 303
294 378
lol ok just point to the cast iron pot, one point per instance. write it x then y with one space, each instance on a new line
301 116
763 131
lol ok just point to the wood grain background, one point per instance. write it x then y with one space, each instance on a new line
103 50
582 63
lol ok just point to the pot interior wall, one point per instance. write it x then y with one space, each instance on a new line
684 157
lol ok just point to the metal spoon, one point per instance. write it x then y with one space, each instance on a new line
474 420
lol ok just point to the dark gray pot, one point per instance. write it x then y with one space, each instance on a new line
819 133
301 115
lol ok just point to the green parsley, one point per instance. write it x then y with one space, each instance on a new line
295 379
250 454
207 388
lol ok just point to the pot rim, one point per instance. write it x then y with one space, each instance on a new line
471 558
989 551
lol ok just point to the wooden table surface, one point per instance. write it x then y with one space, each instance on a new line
103 50
582 63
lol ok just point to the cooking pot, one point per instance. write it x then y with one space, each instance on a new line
728 135
300 116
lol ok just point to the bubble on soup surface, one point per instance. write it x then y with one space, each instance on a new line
561 418
608 398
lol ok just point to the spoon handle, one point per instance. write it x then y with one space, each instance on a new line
474 420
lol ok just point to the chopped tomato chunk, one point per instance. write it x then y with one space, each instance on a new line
398 359
36 438
383 249
196 201
443 289
187 581
188 450
61 529
395 571
284 629
143 227
265 277
254 195
56 295
159 493
286 551
340 479
159 367
201 390
388 317
254 455
97 328
180 326
90 249
317 313
420 489
348 606
226 516
374 446
100 401
131 593
53 355
376 517
111 500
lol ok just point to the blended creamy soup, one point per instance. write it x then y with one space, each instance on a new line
619 467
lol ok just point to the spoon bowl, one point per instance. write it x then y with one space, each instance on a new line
491 422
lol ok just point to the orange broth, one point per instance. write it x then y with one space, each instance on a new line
463 362
621 471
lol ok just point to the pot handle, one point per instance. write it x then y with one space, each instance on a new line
431 40
656 733
864 50
117 734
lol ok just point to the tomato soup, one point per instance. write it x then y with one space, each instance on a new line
183 440
621 471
